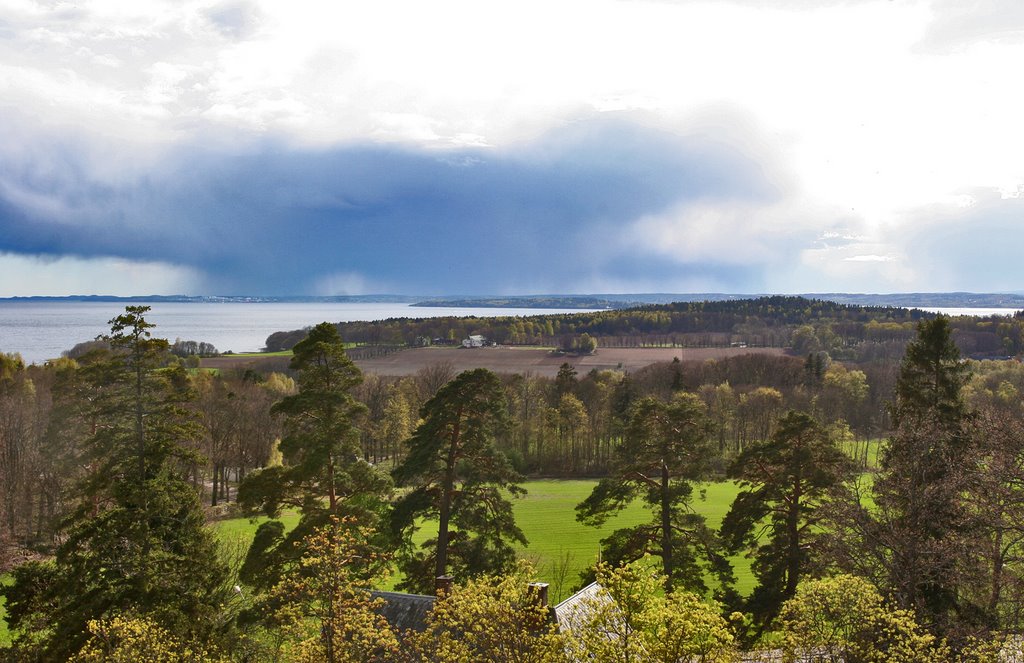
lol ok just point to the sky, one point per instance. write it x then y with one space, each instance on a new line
564 146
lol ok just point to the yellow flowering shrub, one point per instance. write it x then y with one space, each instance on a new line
126 639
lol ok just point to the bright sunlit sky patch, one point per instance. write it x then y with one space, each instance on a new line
485 147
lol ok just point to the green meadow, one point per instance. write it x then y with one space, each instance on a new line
559 546
5 636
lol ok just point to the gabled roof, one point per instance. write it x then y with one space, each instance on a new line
409 611
405 611
574 609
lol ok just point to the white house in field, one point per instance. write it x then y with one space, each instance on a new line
474 341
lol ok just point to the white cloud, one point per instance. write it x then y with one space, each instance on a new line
736 234
962 25
27 276
862 113
344 283
852 268
871 257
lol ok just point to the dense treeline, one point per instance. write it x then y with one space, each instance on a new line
846 332
565 426
45 418
107 459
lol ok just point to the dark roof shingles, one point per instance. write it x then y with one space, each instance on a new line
405 611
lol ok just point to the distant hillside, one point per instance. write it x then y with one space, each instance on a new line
844 331
618 301
575 301
533 301
929 299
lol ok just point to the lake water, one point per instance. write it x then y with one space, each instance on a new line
970 311
42 330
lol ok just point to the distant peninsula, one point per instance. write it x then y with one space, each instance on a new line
568 301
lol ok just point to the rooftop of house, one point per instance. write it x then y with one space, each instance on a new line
573 609
405 611
409 611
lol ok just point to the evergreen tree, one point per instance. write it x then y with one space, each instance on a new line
137 543
931 378
914 542
665 448
458 475
925 473
323 474
566 381
784 481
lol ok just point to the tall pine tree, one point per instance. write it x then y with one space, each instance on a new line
926 470
323 475
914 541
665 449
137 543
783 483
459 476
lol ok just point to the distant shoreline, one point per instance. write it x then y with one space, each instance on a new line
561 301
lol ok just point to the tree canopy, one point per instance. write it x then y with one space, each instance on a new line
784 481
457 474
136 543
665 447
323 473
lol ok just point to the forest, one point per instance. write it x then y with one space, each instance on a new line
878 470
846 332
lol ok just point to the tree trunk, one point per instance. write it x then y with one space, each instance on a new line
332 495
666 526
216 485
446 499
997 573
793 544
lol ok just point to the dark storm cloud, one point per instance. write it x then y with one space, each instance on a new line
469 221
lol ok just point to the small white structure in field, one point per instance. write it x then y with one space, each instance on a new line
475 341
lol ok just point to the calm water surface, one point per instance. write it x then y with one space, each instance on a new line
970 311
42 330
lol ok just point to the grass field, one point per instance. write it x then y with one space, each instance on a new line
559 547
5 636
547 517
862 451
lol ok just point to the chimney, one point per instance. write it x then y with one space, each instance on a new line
443 585
539 592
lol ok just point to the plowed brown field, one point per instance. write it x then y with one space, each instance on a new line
538 361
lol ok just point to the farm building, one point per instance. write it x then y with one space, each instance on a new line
474 341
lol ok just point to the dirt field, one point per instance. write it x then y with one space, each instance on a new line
539 361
